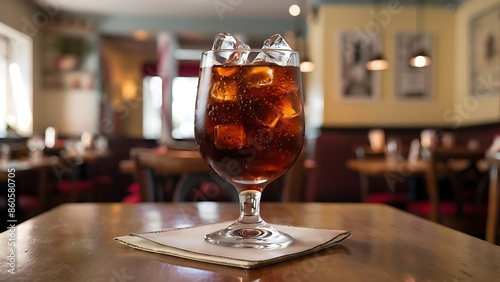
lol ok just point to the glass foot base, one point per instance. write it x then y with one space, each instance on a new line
257 236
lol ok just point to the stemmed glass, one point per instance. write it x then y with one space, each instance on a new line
249 127
36 145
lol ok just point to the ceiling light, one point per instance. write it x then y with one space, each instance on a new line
294 10
377 63
420 60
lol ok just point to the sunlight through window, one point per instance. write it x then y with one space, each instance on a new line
183 103
16 93
23 116
152 101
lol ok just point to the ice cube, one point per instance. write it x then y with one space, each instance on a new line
274 42
225 41
225 91
289 109
226 71
229 136
269 117
259 76
290 86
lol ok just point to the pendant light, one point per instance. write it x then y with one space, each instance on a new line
421 58
306 64
378 62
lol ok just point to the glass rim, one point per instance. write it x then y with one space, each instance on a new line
250 50
211 57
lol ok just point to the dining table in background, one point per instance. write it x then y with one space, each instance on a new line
24 167
129 166
452 160
380 167
74 242
192 170
82 161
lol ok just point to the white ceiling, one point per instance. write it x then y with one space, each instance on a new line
190 18
216 9
180 8
194 21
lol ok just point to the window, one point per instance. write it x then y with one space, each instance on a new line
152 101
183 104
3 85
16 86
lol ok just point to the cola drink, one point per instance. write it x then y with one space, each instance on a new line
249 121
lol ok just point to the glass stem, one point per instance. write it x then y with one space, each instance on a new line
250 207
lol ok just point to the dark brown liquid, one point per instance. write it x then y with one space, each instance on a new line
249 121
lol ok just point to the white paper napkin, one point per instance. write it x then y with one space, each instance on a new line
189 243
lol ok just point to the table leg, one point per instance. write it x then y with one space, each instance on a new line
493 202
432 190
363 179
42 188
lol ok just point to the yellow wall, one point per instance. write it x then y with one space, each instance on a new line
314 83
126 67
387 111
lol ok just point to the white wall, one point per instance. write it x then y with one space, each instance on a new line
125 66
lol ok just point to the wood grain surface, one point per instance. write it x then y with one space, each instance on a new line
74 242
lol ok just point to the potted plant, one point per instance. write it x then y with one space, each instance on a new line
70 52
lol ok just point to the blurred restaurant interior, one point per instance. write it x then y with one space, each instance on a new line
97 102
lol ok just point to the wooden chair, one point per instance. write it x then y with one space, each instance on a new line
173 175
493 199
397 199
184 176
19 150
294 178
461 211
70 186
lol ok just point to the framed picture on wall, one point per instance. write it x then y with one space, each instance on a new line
485 52
355 82
412 83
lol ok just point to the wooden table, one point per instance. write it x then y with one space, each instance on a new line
25 167
81 161
398 171
74 242
449 160
379 166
